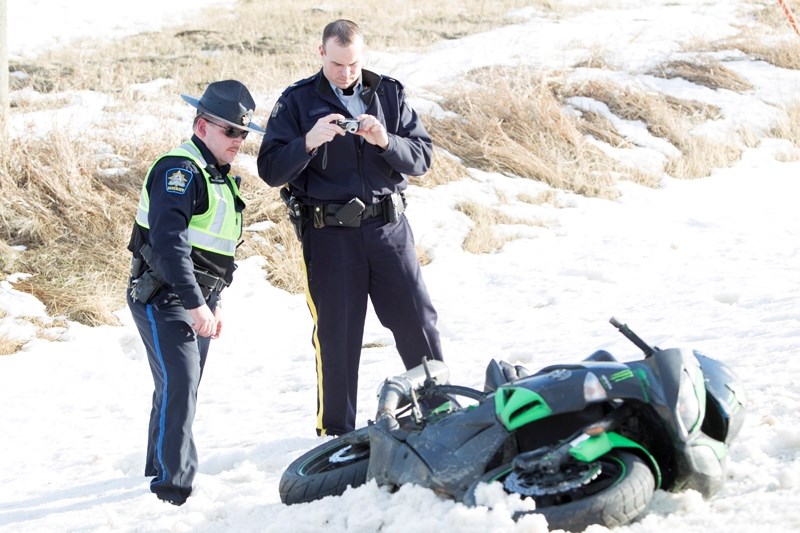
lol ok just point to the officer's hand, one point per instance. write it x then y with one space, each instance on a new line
203 321
218 318
323 131
373 131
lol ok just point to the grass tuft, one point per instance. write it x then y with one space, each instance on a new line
706 72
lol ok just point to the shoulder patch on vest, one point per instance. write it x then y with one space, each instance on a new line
177 180
276 109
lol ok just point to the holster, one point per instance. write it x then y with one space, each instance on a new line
144 288
393 207
296 211
138 266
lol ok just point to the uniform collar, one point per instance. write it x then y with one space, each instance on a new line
340 93
209 157
369 85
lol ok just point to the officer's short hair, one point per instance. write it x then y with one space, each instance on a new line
343 30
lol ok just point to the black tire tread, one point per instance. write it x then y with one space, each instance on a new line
617 505
297 487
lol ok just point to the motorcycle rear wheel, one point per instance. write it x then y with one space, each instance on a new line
617 496
327 470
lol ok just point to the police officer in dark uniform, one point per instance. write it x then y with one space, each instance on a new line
342 143
188 224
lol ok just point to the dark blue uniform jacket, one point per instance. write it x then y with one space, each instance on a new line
345 167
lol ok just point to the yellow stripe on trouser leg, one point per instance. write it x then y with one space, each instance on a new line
318 355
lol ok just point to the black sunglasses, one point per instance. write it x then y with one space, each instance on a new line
230 131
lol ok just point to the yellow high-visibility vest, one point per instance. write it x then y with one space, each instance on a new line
219 228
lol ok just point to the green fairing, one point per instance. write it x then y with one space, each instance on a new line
593 447
622 375
445 407
645 384
517 406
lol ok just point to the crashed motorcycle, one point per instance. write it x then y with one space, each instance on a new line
588 442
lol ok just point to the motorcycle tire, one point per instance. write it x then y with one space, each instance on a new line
617 496
327 470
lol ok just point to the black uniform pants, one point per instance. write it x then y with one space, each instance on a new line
345 266
177 357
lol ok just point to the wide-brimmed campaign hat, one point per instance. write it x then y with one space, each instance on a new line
228 101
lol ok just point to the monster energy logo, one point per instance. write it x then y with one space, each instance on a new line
622 375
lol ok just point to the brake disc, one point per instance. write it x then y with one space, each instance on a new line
538 483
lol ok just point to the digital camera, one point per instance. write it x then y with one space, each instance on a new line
350 125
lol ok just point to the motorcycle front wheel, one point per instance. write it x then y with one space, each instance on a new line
328 469
611 491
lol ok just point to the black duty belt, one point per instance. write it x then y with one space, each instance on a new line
372 210
389 207
209 281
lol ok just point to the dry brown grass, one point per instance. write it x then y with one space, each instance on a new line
72 210
783 53
445 169
422 255
74 225
8 255
277 243
595 58
9 346
73 213
273 41
669 118
767 36
771 15
706 72
548 196
47 329
482 237
601 128
659 112
789 127
512 122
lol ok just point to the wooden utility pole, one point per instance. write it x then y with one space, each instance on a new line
3 70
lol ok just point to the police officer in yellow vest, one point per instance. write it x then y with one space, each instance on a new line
188 223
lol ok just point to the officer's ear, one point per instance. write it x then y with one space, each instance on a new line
200 126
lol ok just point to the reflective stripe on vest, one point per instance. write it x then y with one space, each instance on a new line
219 228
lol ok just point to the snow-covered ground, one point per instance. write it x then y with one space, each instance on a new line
710 263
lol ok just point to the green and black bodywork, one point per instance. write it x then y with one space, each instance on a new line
587 442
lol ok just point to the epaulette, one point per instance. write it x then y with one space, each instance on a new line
389 78
297 84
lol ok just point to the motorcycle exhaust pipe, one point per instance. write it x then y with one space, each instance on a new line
398 391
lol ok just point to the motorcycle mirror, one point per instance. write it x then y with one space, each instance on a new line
631 336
